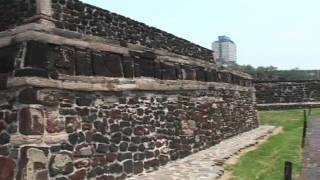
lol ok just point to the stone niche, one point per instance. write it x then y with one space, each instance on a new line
47 60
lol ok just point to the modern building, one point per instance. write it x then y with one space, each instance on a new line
225 50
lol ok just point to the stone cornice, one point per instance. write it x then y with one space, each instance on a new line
85 83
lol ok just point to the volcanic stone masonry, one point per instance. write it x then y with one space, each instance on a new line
287 94
77 103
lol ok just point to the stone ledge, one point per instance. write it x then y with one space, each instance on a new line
33 140
279 106
85 83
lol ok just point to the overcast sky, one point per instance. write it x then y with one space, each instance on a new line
282 33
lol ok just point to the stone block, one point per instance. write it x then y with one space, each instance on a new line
61 164
163 159
128 166
82 163
84 150
33 163
79 175
116 168
138 167
47 97
7 169
4 138
72 124
31 121
29 96
53 123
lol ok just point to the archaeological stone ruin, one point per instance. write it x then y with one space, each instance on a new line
287 94
89 94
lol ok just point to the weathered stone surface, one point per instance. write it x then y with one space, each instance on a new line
36 55
31 72
54 123
168 72
144 67
29 96
4 138
7 56
7 168
82 163
128 166
42 175
4 150
79 175
18 9
116 27
206 164
116 168
128 67
84 150
31 121
61 164
137 167
33 163
72 124
83 61
287 92
98 124
47 97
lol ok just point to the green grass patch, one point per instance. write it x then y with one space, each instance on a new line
267 161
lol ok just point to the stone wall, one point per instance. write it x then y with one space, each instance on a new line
78 135
287 92
49 60
76 16
77 106
17 12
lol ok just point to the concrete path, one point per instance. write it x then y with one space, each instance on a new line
207 164
311 170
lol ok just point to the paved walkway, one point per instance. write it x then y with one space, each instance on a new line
311 170
207 164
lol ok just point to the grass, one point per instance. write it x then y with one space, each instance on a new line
267 161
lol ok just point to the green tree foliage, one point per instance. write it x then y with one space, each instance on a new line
271 73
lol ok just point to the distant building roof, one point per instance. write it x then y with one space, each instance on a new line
224 39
